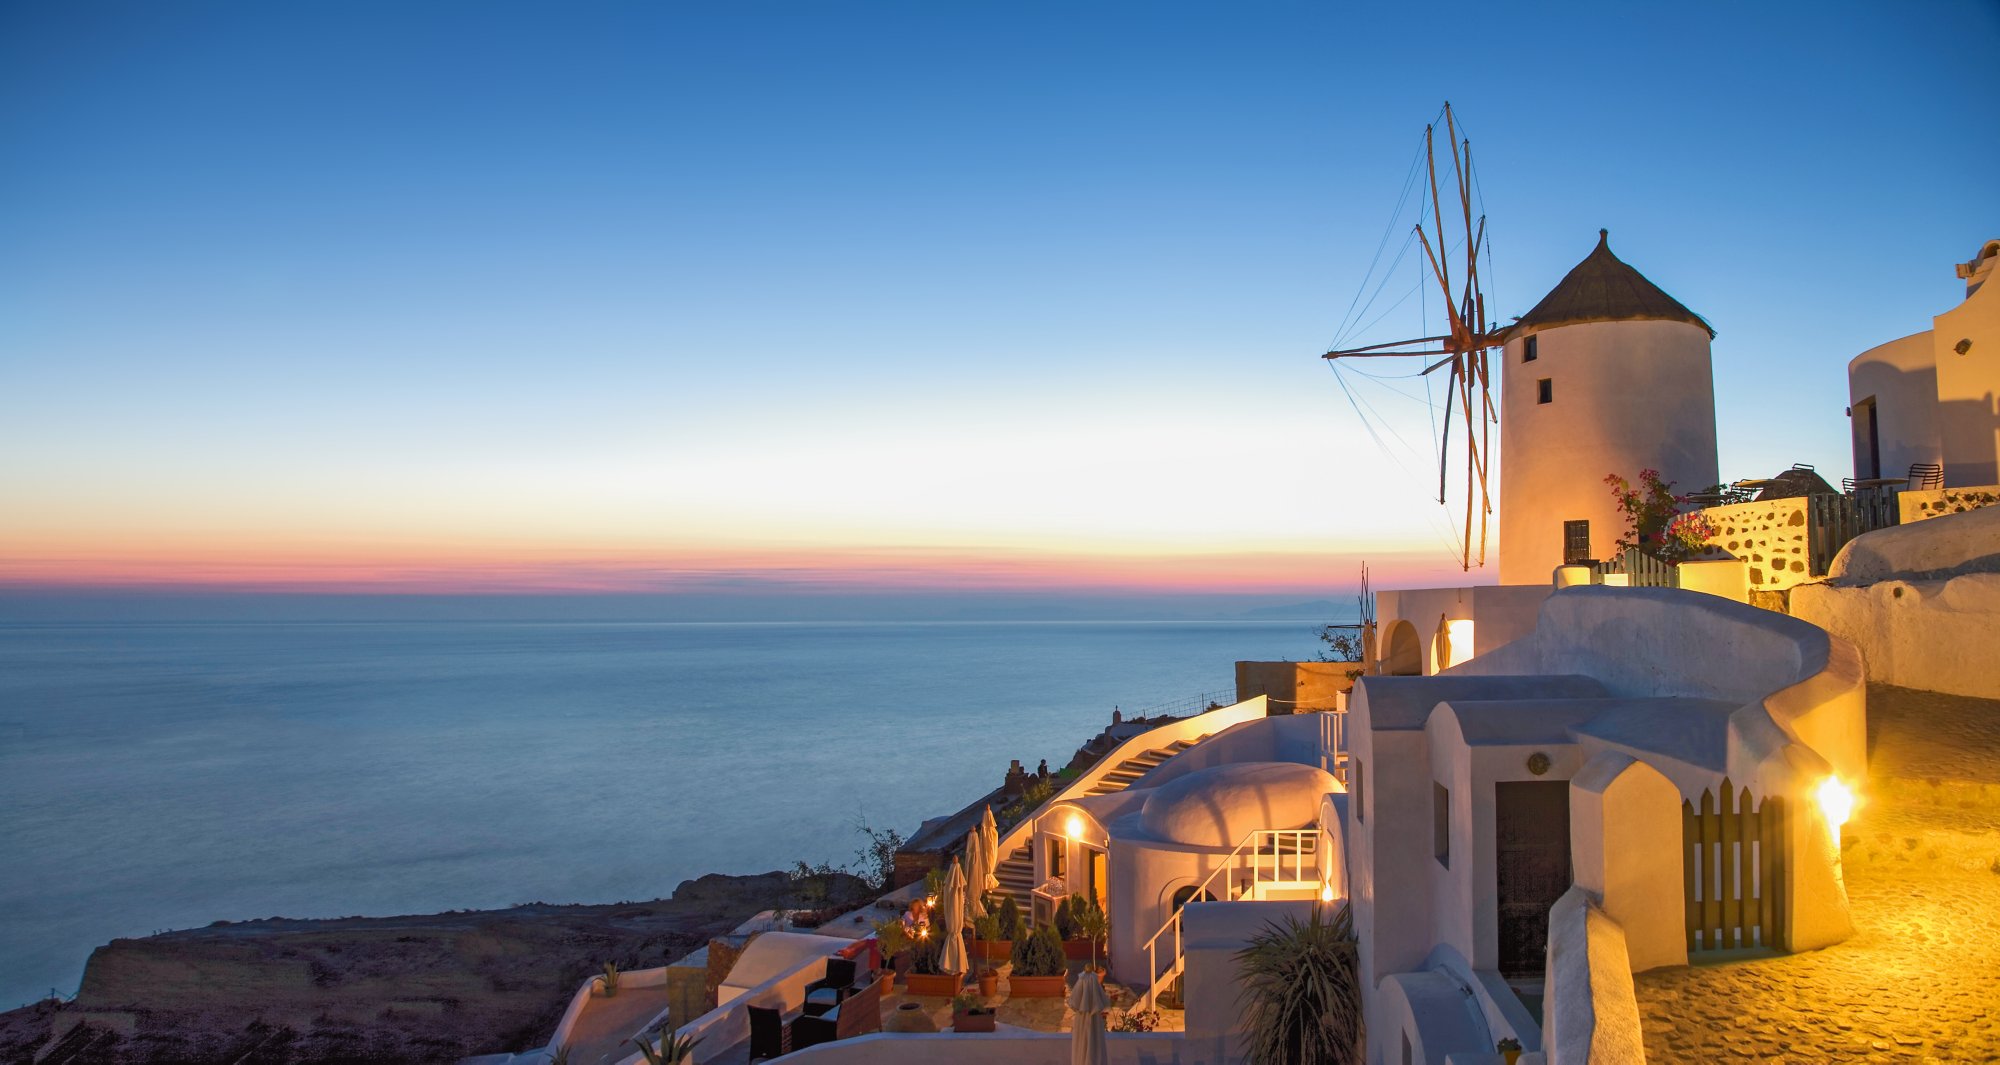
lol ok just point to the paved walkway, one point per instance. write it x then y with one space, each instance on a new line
1920 980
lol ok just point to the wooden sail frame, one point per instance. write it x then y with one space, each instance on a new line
1464 347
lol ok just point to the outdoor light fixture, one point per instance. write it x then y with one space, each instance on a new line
1836 802
1326 893
1074 827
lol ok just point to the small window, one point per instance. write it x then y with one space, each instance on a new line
1360 793
1528 350
1441 823
1058 852
1543 391
1576 542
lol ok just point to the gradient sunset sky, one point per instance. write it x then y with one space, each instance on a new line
664 297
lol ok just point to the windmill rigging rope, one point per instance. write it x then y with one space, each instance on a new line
1409 181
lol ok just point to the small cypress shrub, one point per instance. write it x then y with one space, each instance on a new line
1039 954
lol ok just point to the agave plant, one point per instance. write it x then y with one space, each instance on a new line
672 1049
1301 992
560 1056
610 978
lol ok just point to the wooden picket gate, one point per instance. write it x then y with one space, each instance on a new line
1733 861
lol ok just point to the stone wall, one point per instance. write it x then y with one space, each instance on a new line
1770 538
1295 687
1937 502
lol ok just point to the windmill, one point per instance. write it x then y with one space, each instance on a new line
1464 344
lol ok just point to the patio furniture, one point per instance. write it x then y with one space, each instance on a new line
1926 475
827 992
770 1036
859 1013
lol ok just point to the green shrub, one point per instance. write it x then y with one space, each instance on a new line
1010 918
925 955
1067 912
1039 954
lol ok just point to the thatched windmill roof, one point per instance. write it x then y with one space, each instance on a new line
1602 288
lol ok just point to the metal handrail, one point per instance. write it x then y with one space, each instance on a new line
1227 870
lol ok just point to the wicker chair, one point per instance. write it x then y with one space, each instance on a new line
827 992
859 1013
770 1036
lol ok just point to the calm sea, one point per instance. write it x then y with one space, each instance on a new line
167 775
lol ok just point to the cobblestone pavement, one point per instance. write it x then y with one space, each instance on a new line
1920 980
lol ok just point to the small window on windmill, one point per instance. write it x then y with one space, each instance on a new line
1528 350
1576 542
1544 391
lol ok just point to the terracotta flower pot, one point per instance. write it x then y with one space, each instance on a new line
942 985
888 982
967 1021
1077 949
993 949
989 984
1037 986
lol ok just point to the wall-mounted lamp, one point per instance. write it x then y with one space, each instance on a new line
1836 802
1963 346
1074 828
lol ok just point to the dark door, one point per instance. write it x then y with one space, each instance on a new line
1868 457
1531 861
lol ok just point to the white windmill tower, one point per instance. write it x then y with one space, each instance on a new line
1607 374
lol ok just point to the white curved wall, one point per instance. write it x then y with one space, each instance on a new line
1626 396
1901 377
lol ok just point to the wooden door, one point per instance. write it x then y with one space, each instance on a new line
1097 878
1531 863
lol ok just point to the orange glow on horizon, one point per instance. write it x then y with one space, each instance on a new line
412 568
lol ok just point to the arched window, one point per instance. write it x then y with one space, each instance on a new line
1189 894
1405 654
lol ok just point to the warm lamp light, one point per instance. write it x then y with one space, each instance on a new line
1459 632
1326 893
1074 827
1836 802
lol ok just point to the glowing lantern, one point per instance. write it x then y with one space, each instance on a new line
1836 802
1326 893
1074 827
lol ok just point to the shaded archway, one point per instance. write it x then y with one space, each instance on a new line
1403 654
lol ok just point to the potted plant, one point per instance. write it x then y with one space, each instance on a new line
894 945
1136 1021
1069 923
970 1013
607 985
924 977
1509 1048
1038 965
1010 922
1301 992
985 935
992 936
1095 927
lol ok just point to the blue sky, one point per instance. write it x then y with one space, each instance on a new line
383 290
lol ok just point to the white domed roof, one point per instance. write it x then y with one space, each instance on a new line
1218 806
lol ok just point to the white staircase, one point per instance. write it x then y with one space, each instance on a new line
1271 863
1016 872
